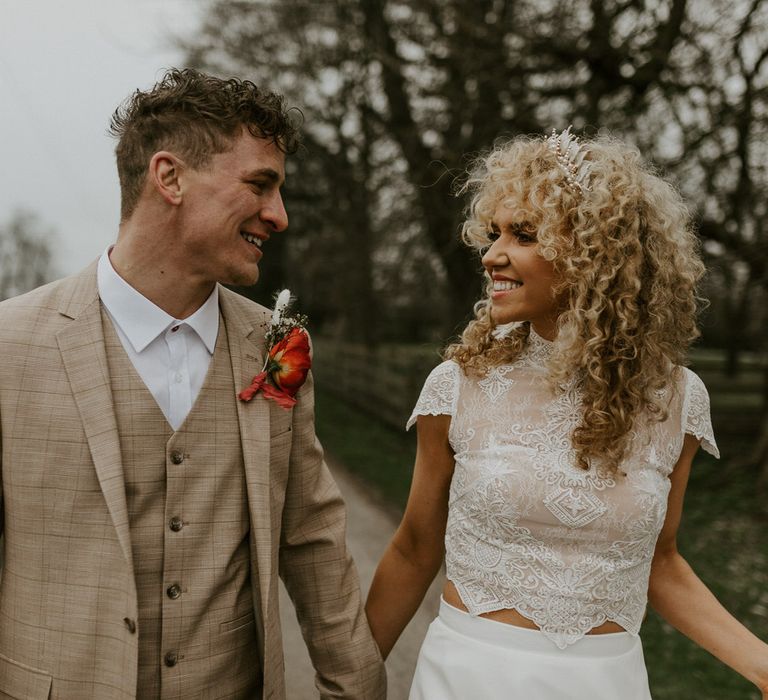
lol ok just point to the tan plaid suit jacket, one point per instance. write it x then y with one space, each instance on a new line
67 590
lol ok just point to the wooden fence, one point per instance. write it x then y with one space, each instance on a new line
386 382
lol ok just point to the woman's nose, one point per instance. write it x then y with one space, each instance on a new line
494 256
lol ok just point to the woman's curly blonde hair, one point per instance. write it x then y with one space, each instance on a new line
627 259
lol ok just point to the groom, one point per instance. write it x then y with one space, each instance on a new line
147 512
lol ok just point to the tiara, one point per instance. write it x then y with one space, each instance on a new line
570 156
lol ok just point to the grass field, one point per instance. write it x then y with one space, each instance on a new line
723 536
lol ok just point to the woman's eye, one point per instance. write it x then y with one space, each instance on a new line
492 235
525 233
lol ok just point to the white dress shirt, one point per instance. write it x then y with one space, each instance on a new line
170 355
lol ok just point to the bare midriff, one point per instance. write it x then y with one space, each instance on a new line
510 616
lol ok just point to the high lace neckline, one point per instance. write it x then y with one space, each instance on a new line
538 349
539 341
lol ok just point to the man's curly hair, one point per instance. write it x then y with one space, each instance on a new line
627 259
196 115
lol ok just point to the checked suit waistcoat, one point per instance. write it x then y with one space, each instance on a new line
189 527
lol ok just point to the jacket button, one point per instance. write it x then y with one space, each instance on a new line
171 658
176 524
130 624
177 456
174 591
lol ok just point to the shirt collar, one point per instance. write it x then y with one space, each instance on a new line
141 320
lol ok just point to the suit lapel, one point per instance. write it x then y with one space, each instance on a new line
81 345
247 356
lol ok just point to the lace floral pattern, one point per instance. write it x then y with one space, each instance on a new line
527 529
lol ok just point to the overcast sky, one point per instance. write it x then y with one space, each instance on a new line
64 68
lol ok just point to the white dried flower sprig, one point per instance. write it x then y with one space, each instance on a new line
281 304
281 323
570 155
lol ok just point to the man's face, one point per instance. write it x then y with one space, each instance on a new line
231 208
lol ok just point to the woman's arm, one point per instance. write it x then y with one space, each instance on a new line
682 599
413 557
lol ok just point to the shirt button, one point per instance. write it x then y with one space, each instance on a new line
178 377
177 456
174 329
176 524
130 624
174 591
171 658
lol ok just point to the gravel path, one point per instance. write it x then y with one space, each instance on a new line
368 531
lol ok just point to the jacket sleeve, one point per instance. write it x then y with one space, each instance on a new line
319 573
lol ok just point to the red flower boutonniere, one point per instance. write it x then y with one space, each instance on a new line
288 358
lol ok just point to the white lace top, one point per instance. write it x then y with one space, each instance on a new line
527 529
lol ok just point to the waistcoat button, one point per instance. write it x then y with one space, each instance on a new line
130 624
176 524
174 591
171 658
177 457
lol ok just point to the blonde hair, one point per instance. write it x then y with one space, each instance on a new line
628 264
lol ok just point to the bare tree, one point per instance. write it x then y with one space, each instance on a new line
25 255
397 94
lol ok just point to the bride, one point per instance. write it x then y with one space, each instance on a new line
556 440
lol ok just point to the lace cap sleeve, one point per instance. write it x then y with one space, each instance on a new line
696 416
439 394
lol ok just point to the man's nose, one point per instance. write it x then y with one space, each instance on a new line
274 213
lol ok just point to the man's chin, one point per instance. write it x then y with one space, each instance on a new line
243 279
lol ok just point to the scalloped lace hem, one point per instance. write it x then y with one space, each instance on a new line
415 415
707 442
562 639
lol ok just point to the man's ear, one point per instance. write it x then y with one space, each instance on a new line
165 176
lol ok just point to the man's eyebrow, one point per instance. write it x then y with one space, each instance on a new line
268 173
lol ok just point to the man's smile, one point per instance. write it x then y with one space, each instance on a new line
253 238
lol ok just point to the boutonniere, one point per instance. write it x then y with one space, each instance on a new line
287 360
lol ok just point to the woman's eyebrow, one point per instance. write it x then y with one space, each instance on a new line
513 225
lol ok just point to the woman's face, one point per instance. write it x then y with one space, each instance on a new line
523 281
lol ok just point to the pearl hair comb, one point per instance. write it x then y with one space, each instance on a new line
570 156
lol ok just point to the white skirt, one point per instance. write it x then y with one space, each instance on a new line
465 658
